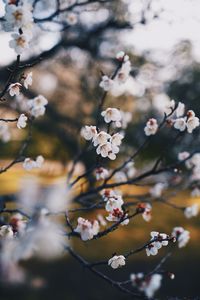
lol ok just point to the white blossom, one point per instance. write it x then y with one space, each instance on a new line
118 215
30 164
157 189
107 150
146 209
146 284
101 173
112 115
191 211
116 139
88 132
20 42
106 83
38 106
114 203
117 261
14 89
27 80
123 73
4 132
181 235
22 121
180 124
101 138
192 123
151 127
18 16
87 229
180 109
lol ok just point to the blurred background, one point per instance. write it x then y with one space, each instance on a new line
163 42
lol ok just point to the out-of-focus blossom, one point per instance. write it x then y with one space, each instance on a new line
106 83
181 235
157 189
27 80
191 211
146 284
101 173
151 127
22 121
20 42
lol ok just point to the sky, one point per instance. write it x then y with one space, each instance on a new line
180 19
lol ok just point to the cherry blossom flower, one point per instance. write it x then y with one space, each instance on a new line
101 138
107 150
30 164
107 194
14 89
157 189
180 109
116 139
22 121
117 261
118 215
87 229
18 16
145 209
181 235
151 249
106 83
19 43
161 239
88 132
191 211
38 106
112 115
123 73
101 173
192 122
6 231
151 127
180 124
27 80
146 284
113 203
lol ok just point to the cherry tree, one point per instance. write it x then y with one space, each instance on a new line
34 229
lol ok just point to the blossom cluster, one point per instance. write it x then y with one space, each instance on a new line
87 229
19 20
107 145
108 83
146 284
